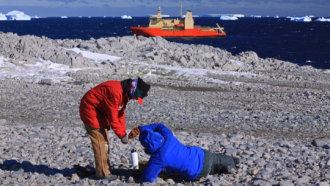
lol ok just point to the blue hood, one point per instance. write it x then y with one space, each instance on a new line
151 140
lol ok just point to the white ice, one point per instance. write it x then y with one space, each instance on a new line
95 56
57 72
191 74
34 73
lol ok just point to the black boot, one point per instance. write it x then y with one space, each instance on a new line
84 171
223 169
237 161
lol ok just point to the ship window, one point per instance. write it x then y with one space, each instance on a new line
188 17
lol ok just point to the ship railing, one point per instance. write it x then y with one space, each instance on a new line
205 28
172 28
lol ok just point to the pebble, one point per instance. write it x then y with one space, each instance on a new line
53 141
286 183
2 121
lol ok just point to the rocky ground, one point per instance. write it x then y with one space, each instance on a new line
265 111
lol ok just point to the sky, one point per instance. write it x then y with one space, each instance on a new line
55 8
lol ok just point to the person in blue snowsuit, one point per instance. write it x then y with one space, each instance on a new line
168 153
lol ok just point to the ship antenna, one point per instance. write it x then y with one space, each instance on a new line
180 10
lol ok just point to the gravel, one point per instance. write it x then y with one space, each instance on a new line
271 114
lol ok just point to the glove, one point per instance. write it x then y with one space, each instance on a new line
146 151
134 133
124 139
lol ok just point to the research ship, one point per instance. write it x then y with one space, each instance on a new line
177 27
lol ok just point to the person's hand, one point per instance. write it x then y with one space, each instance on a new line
134 133
124 139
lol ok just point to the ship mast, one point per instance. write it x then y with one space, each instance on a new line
180 10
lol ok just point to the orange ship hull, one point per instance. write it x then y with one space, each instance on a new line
146 31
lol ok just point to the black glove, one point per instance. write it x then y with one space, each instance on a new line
124 139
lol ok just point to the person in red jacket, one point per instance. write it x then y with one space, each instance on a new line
102 108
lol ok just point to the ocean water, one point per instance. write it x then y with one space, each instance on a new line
298 42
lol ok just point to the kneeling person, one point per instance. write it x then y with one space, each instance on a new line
168 152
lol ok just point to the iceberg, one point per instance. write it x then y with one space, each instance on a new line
294 17
223 17
2 17
126 17
34 17
276 16
302 19
184 16
322 19
17 15
64 17
255 16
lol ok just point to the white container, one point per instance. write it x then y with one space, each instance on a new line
134 158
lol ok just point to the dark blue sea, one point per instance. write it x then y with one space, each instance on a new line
297 42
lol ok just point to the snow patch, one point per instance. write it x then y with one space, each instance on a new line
34 73
95 56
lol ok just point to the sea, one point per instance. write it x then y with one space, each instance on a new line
303 43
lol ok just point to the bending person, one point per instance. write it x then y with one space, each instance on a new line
168 152
102 108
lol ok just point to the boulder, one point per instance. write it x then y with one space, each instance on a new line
79 62
319 142
46 81
230 66
68 44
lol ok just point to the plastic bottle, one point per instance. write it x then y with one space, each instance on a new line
134 158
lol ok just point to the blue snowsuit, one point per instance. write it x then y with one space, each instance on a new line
169 153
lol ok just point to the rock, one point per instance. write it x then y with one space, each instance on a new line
326 146
82 149
3 121
323 183
46 81
83 45
286 183
253 172
230 151
159 181
319 142
170 181
260 183
130 179
230 66
303 180
17 174
91 182
75 177
79 61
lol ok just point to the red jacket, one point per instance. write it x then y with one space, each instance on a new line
105 105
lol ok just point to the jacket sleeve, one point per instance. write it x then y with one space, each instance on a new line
117 124
121 118
160 128
154 167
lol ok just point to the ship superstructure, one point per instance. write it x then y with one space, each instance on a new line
176 27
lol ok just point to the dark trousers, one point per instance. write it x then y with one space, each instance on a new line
211 159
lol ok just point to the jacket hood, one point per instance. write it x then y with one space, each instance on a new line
151 140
